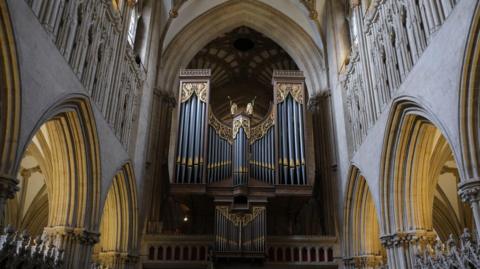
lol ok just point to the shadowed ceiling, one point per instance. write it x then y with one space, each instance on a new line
242 63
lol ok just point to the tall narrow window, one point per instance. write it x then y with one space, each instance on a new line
132 28
354 27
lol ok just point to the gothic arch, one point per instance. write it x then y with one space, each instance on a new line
361 229
119 224
415 150
469 105
253 14
66 146
10 95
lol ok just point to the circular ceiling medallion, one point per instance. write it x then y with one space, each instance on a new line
243 44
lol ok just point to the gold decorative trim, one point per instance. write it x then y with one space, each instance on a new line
294 89
189 88
262 128
239 122
221 129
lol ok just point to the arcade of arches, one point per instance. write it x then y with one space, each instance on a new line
239 133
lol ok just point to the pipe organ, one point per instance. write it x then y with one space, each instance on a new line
239 162
289 100
241 135
193 101
240 232
219 151
262 148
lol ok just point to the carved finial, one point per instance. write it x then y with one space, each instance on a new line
233 106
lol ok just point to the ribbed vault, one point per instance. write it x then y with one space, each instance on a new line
254 15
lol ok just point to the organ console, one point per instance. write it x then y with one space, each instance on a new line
241 164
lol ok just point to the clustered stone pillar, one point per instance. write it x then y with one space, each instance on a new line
469 191
76 244
403 246
8 188
319 106
157 164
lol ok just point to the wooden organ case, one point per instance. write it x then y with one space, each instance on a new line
239 164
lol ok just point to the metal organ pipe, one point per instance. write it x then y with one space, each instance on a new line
302 143
185 142
289 99
180 144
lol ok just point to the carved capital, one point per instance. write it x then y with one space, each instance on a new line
405 239
59 234
469 190
8 187
315 102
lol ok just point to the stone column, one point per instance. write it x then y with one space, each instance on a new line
8 188
325 167
76 244
469 191
157 176
402 246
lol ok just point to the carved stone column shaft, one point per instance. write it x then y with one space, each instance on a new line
8 188
157 163
319 106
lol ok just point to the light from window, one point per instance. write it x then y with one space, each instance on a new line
132 28
354 28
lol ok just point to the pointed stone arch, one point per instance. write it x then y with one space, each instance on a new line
414 148
469 127
415 152
469 104
361 230
10 105
255 15
65 144
118 245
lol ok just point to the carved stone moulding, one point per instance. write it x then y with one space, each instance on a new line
469 190
8 186
189 73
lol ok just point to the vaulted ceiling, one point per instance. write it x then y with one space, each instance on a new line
242 63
